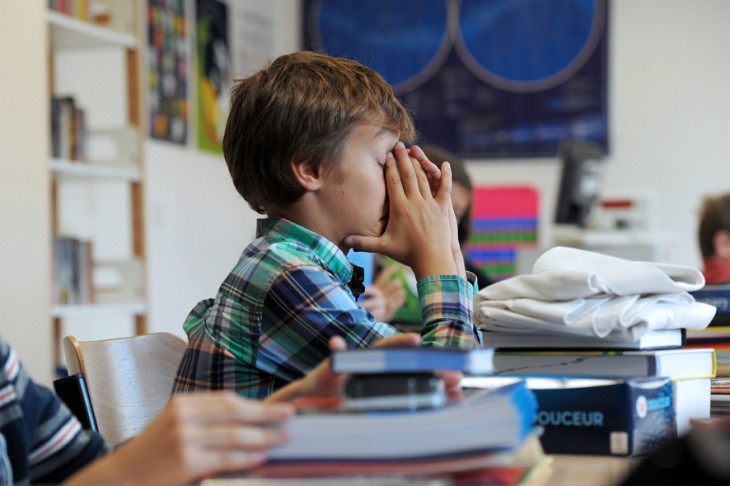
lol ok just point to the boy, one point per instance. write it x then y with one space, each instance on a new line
313 142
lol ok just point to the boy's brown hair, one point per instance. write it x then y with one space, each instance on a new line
301 107
714 217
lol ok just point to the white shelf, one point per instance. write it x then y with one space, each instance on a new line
98 310
69 33
67 169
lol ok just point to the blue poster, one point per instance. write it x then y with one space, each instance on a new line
482 78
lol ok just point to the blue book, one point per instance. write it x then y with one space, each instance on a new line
413 360
718 296
619 417
498 419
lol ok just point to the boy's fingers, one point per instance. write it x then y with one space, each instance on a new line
433 173
424 185
407 170
393 179
444 191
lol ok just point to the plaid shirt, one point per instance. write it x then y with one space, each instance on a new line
273 316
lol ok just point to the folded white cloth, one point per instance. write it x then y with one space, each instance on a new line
569 273
585 293
596 317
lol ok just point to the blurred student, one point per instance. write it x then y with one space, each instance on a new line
385 295
714 239
317 144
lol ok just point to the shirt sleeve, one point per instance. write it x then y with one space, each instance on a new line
305 307
446 309
45 442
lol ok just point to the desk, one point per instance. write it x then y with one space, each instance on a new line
564 470
573 470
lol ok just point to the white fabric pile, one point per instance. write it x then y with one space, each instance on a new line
584 293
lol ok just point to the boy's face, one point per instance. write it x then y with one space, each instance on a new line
354 192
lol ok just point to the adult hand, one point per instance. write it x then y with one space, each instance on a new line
196 436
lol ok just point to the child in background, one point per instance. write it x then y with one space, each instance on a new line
316 144
714 239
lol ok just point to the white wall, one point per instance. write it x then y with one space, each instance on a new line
24 196
669 75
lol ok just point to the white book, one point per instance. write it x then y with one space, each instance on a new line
682 363
669 338
692 399
412 359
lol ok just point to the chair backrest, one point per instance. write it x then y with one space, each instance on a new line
129 379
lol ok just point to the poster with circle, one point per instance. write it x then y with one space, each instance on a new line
482 78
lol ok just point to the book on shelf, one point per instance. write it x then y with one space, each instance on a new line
72 273
663 339
68 129
74 8
680 363
497 419
599 416
412 360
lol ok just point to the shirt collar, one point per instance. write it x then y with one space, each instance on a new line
280 229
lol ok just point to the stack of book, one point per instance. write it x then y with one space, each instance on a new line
720 404
655 355
488 433
717 334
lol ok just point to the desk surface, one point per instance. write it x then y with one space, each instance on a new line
569 470
564 470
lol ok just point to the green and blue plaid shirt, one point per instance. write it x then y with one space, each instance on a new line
273 316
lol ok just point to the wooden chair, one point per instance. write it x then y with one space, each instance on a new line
129 379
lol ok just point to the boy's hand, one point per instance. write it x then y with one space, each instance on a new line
419 230
433 173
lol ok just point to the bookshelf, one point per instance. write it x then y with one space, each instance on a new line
96 169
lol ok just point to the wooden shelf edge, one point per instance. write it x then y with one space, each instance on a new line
132 309
89 170
70 33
